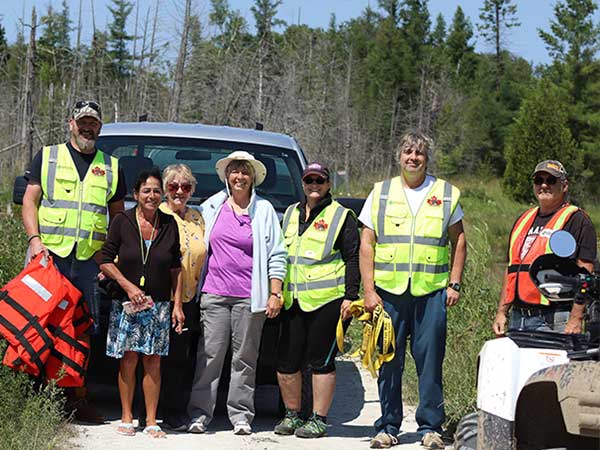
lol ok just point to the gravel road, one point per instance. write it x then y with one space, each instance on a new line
355 408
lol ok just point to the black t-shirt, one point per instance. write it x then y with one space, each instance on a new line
82 162
579 225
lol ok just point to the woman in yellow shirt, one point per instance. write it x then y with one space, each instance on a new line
178 366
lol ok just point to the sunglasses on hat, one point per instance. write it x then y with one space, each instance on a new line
83 103
174 187
550 180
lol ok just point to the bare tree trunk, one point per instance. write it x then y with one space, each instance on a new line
76 74
27 128
498 50
259 100
150 59
178 85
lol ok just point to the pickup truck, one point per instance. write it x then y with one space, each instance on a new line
141 145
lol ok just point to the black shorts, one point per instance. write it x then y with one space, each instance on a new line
308 339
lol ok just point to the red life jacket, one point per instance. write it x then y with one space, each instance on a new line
517 276
26 303
65 358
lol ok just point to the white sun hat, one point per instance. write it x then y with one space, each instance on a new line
239 155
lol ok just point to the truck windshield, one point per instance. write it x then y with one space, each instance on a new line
281 187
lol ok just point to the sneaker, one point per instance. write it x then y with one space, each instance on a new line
433 441
197 427
288 424
314 427
383 440
242 428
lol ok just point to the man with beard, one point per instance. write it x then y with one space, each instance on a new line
72 187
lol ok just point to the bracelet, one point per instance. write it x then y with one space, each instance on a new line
33 236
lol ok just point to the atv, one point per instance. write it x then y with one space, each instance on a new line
541 390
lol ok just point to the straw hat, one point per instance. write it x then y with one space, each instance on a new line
239 155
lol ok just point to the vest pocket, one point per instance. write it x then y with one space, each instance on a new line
384 263
435 255
67 184
52 224
431 226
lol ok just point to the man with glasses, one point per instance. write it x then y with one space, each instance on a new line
529 239
404 263
72 188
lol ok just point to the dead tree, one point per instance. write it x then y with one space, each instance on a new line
178 84
28 121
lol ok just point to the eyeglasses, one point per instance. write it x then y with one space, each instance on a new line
174 187
318 180
550 180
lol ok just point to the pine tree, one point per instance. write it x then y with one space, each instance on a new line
54 44
3 47
572 42
540 131
415 24
118 38
264 12
497 18
438 35
459 47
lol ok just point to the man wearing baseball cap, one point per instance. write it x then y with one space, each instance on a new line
528 240
72 187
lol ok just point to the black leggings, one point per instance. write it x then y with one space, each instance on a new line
308 339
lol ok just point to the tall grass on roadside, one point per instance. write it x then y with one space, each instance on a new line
31 416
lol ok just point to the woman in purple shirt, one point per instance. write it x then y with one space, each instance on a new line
240 286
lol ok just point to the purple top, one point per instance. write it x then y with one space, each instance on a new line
229 269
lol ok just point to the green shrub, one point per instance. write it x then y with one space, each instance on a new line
13 244
31 416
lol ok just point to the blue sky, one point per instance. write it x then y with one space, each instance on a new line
523 41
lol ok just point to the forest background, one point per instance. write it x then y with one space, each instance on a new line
346 93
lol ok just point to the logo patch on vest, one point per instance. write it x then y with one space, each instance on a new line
321 225
434 201
98 171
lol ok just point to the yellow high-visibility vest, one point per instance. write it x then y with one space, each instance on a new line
74 211
315 272
412 246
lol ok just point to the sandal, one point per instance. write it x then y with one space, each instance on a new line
126 429
155 432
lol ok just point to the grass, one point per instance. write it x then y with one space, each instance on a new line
31 415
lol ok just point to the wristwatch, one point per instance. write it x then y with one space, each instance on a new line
277 294
454 286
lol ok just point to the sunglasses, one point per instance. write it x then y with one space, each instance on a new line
174 187
82 104
550 180
318 180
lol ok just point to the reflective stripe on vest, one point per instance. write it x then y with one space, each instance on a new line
316 271
36 318
74 211
517 276
412 247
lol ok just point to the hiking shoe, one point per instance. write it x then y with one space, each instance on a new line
433 441
290 423
242 428
383 440
312 428
197 427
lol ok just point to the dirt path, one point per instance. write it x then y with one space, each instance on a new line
355 408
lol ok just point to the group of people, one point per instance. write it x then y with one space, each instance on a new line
225 269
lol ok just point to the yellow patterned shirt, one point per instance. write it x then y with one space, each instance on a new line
193 249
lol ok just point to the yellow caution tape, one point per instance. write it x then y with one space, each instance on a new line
378 344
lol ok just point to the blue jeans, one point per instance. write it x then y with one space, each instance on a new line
424 320
83 276
538 319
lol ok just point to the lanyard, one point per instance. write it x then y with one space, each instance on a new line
145 252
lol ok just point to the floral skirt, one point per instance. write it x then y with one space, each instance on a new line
144 332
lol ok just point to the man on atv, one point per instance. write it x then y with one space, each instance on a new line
530 310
